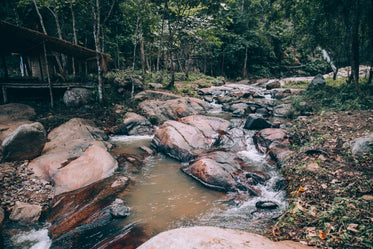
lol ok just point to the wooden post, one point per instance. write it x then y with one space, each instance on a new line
5 98
41 69
4 67
48 76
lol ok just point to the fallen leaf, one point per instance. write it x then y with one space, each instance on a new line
301 189
322 235
352 227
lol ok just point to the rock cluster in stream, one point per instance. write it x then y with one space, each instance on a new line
75 164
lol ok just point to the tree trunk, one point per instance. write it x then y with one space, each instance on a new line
170 52
55 14
160 48
370 75
222 64
48 76
117 55
40 17
134 49
96 36
354 44
179 62
142 50
187 65
244 70
335 73
204 64
74 33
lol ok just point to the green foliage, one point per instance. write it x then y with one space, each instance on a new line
296 84
315 67
341 96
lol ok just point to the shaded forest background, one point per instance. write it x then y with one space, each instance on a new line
230 38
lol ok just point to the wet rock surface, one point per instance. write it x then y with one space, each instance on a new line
84 208
256 122
66 144
266 205
194 135
133 125
173 109
274 142
93 165
220 171
155 95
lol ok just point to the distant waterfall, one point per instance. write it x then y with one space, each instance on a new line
326 57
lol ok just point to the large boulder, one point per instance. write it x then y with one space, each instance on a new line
76 97
133 125
221 171
93 165
173 109
362 145
196 134
15 112
256 122
60 159
26 142
180 141
273 84
155 95
25 213
78 210
274 142
282 111
215 238
317 82
12 116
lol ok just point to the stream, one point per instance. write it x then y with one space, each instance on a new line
161 197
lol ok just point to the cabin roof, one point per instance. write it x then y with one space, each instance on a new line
17 39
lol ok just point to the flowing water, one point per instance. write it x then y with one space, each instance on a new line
162 197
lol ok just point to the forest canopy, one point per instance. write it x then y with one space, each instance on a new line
231 38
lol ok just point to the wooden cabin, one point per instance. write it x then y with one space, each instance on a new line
30 59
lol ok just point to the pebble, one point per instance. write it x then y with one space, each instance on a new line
19 184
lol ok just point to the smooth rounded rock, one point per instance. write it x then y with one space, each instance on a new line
76 97
93 165
266 205
25 213
256 122
214 238
26 142
362 145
